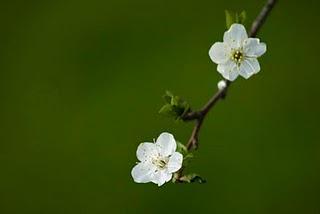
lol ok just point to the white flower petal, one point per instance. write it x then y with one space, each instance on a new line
246 69
253 47
166 143
175 162
228 70
219 52
168 176
160 177
255 64
146 151
143 172
235 36
234 73
225 67
249 67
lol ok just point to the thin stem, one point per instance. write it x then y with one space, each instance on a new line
261 18
195 132
199 116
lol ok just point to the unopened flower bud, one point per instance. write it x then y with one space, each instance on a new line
222 84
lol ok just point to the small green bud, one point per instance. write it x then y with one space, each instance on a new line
192 178
175 107
233 17
242 17
167 110
167 97
230 18
181 148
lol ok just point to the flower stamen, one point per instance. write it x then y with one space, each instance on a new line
160 162
237 56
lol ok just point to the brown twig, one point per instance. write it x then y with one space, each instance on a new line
199 116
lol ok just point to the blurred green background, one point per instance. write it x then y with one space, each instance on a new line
81 85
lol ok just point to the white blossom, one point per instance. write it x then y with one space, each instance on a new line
222 84
237 54
158 160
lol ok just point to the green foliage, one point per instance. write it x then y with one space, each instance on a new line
181 148
168 110
242 17
175 177
192 178
187 156
230 18
175 107
234 17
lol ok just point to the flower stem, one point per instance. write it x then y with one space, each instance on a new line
200 115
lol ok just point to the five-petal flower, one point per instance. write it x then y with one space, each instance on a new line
237 54
158 161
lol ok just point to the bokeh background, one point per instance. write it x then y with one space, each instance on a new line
81 84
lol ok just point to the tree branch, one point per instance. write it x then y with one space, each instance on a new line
199 116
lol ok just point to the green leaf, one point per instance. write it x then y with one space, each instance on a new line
242 17
175 177
233 17
187 159
181 148
167 110
175 107
186 108
188 156
198 179
169 93
230 18
192 178
175 100
167 97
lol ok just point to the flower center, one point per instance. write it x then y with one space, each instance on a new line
160 162
237 56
